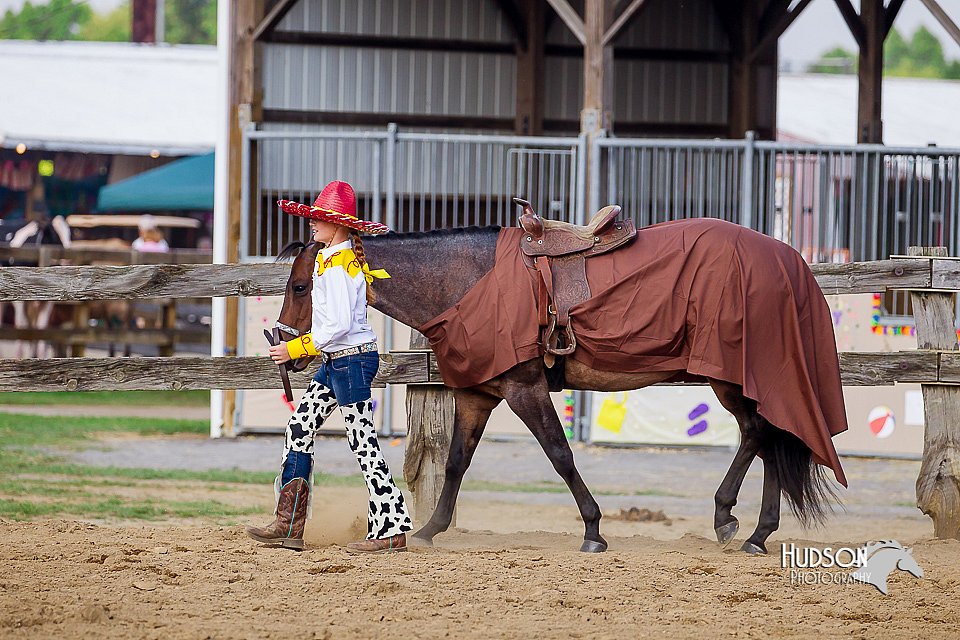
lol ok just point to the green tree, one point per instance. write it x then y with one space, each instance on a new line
191 21
920 57
895 50
953 71
108 27
836 60
927 54
58 20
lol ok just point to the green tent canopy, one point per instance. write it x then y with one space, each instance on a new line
183 185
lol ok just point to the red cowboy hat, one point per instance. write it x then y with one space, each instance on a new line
337 204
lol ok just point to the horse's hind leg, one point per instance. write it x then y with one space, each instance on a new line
529 397
724 522
470 417
769 520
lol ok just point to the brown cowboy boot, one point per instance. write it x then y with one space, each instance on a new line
287 529
383 545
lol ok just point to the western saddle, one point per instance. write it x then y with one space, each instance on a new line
558 251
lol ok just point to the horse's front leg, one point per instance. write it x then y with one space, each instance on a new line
528 395
472 410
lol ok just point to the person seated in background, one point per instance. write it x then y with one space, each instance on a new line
151 238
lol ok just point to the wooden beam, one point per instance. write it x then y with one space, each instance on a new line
624 19
854 23
644 53
728 12
938 483
382 119
597 68
530 72
870 73
143 27
889 15
273 18
570 18
388 42
743 98
943 19
772 35
673 129
517 20
772 14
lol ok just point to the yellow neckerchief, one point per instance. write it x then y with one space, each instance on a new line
348 260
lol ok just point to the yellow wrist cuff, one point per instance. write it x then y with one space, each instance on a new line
301 347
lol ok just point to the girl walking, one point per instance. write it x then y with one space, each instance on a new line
347 347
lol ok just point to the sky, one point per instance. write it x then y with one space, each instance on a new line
819 28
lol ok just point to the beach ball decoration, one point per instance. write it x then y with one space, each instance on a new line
881 421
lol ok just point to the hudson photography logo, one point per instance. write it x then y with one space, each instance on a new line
870 564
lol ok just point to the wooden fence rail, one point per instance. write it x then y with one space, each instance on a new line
46 255
268 279
396 367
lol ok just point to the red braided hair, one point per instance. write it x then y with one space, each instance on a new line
362 259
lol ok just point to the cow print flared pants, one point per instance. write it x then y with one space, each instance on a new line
387 513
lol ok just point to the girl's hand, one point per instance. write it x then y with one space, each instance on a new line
279 353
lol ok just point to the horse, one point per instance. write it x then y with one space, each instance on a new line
432 272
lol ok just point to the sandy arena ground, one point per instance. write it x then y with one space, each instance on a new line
487 579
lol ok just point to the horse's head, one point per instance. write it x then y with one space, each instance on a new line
297 312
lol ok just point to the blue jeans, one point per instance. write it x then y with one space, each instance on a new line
349 377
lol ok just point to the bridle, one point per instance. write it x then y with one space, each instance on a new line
286 329
274 338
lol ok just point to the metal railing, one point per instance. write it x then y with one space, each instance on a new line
831 203
409 181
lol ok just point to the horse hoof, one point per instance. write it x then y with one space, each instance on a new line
591 546
753 549
726 532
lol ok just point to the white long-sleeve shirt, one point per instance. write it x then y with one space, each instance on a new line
339 304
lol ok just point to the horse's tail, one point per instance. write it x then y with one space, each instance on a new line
801 479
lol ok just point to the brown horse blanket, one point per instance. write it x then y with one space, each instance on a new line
703 297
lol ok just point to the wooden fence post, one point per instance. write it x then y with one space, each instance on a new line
938 485
430 413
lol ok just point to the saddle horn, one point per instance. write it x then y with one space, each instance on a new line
529 221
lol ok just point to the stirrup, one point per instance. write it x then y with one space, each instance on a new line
553 339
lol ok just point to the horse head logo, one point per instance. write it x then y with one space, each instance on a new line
882 558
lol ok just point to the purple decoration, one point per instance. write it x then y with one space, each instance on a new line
837 315
697 429
698 411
